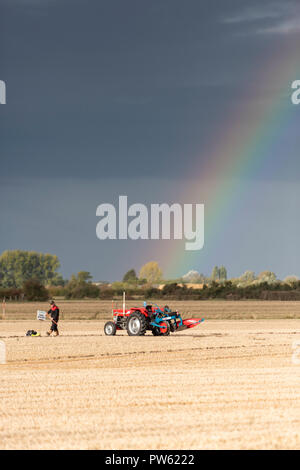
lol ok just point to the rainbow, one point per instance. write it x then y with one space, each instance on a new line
242 151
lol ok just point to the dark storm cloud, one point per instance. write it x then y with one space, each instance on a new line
108 97
272 18
99 88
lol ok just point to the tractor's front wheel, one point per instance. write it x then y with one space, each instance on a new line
110 328
136 324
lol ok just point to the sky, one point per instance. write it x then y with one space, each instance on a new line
139 98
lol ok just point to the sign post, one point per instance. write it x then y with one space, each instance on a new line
2 352
4 309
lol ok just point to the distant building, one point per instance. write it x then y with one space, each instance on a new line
189 285
102 283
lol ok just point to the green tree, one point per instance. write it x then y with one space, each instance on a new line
215 275
247 277
18 266
223 273
267 276
84 276
130 276
151 272
34 290
291 280
80 286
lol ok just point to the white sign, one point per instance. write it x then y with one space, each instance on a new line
41 315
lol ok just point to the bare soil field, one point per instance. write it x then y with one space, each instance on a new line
227 384
210 309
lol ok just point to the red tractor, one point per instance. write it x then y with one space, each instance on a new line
137 320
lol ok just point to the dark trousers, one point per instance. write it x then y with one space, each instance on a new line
53 327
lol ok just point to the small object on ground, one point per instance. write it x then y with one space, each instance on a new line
32 333
137 320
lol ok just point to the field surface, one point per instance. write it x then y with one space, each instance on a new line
225 384
210 309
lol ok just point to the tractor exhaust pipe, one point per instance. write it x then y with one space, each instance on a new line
124 303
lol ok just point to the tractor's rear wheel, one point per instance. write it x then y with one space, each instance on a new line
110 328
136 324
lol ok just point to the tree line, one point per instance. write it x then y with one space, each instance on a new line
30 275
17 267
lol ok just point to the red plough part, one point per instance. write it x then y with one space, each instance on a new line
190 323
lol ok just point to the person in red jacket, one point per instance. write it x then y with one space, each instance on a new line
53 313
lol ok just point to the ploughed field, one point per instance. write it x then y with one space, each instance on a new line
224 384
210 309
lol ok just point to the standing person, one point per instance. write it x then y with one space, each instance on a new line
53 313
